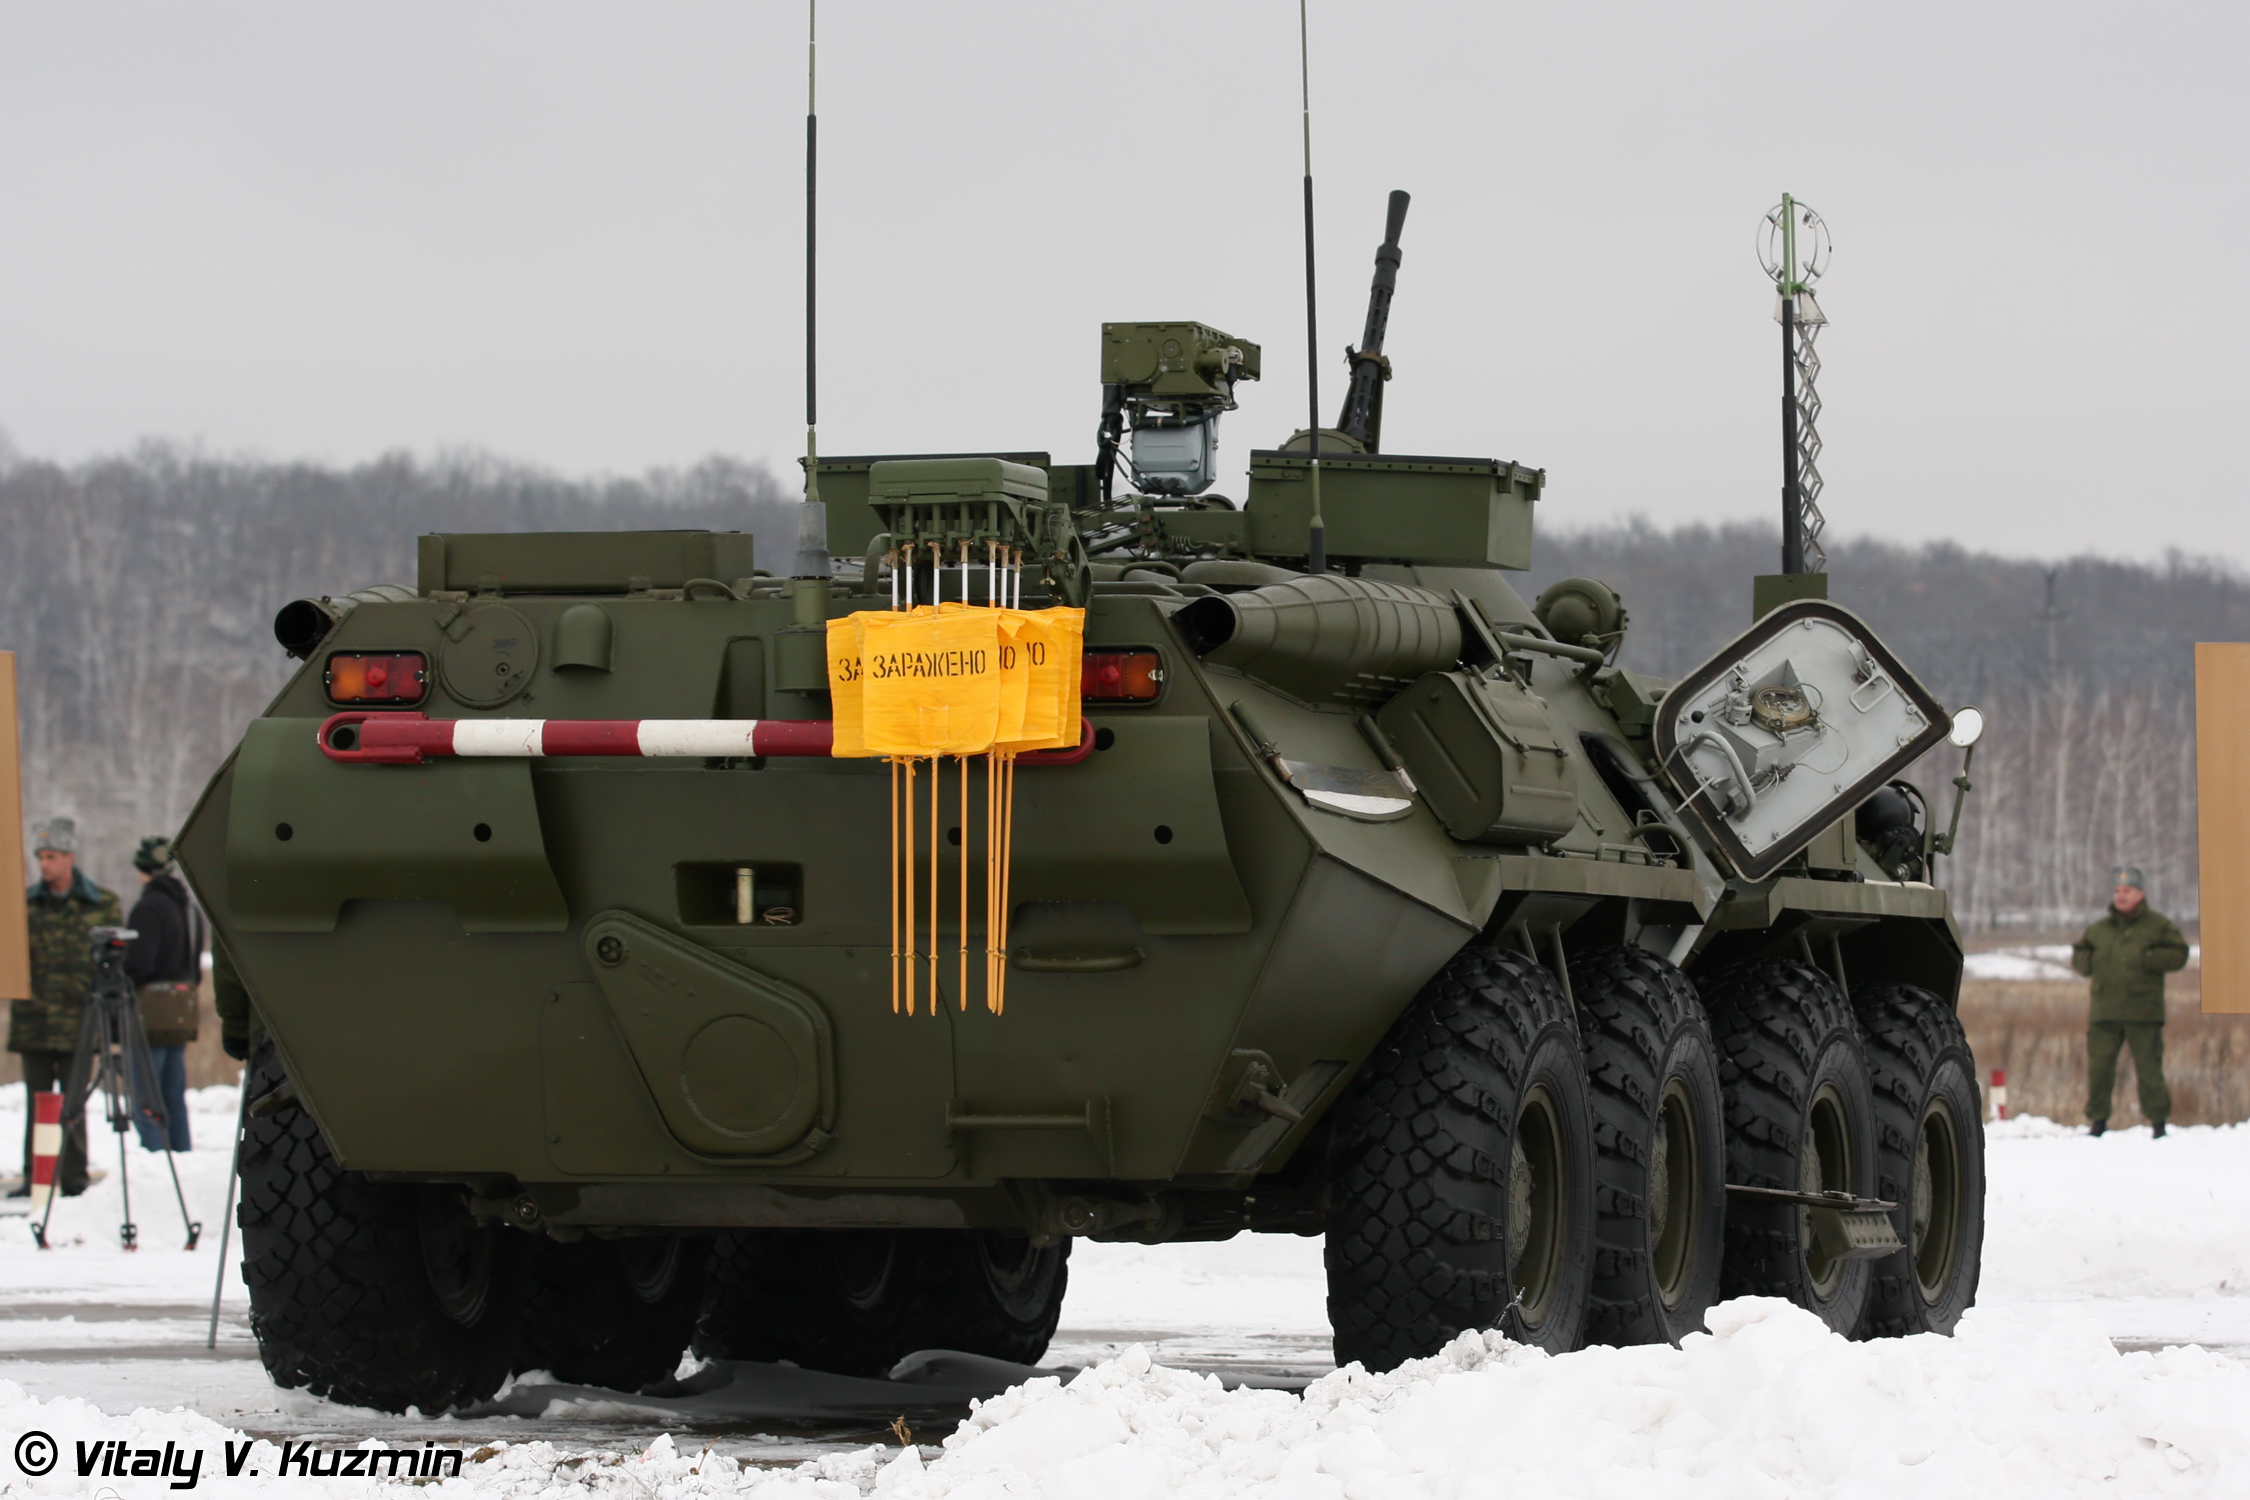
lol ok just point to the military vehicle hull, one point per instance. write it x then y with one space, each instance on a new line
1184 911
611 1005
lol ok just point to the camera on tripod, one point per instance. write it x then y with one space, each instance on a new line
109 958
113 1061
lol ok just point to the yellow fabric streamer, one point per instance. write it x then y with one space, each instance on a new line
930 683
845 672
960 680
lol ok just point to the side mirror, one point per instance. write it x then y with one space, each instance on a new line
1968 728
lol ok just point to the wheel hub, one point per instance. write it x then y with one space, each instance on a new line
1823 1164
1673 1193
1535 1207
457 1254
1937 1200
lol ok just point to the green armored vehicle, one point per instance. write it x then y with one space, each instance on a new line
1373 902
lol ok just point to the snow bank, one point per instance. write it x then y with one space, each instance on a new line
2038 961
2068 1216
1767 1404
2046 961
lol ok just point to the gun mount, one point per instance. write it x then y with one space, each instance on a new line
1362 418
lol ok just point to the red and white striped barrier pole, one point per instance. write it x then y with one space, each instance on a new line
394 738
46 1148
1999 1093
409 739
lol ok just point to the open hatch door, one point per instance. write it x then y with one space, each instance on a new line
1788 728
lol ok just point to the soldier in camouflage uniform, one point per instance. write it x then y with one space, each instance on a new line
2127 954
64 908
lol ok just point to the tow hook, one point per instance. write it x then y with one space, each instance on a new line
1848 1227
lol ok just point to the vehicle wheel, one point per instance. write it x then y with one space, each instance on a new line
373 1294
1660 1168
826 1299
1798 1116
1929 1159
612 1313
1463 1159
857 1301
984 1292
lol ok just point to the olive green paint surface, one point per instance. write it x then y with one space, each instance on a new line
563 1008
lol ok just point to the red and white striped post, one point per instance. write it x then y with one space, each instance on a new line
409 739
1999 1093
46 1148
393 738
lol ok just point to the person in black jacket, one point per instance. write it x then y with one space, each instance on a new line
165 963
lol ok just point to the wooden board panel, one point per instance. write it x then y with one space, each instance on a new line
2222 783
15 939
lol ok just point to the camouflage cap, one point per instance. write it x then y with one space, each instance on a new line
154 856
58 834
2128 875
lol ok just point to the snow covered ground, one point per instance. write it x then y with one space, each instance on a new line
2102 1357
2038 961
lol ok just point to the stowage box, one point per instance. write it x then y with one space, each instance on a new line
1396 508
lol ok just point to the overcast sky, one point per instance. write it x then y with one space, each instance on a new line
570 233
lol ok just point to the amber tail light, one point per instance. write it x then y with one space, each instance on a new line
377 677
1121 677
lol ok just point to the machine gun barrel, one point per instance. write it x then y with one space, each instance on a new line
1362 418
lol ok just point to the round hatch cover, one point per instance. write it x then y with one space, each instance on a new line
741 1077
492 659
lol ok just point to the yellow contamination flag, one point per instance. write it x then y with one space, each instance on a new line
931 681
1050 644
845 673
1015 676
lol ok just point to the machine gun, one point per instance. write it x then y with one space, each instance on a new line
1362 417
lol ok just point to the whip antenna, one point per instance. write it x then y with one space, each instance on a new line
812 517
1316 544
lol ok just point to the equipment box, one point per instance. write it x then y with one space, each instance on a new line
1395 508
852 522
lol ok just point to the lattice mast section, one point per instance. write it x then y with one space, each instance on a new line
1795 253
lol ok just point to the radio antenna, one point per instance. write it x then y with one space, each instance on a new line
812 517
1316 543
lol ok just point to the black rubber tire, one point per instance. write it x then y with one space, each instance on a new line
1795 1082
984 1292
856 1302
1441 1221
825 1299
1659 1132
611 1313
1929 1159
372 1294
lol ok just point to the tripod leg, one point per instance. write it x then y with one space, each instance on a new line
226 1218
110 1077
113 1097
128 1234
147 1098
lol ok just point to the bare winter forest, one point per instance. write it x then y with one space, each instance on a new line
143 587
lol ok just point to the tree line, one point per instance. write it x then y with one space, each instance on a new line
144 588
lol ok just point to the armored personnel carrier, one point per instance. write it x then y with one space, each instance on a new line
1372 901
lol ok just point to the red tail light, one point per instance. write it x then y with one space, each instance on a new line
1121 677
378 677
